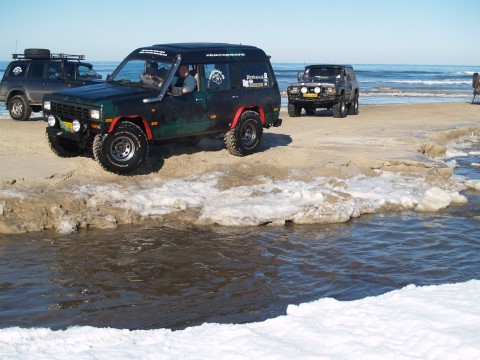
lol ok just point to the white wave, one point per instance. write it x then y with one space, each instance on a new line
425 82
397 93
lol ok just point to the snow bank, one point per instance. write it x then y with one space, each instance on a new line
431 322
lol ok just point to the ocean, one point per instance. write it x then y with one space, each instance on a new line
379 84
148 277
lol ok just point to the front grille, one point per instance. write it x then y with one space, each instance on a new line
70 111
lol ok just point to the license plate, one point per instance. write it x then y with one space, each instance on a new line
67 126
310 95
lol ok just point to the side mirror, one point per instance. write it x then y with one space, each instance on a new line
299 76
109 77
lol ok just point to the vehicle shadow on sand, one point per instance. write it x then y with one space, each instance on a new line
158 153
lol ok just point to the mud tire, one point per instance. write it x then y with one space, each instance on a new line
62 148
340 108
19 108
294 110
245 138
353 108
123 150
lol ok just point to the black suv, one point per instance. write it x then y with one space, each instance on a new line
165 93
37 72
324 86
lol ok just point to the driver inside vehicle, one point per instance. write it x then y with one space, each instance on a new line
152 75
183 82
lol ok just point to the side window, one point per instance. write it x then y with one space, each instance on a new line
220 76
53 70
255 75
18 70
36 70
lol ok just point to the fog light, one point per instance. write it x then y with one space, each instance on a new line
76 125
51 120
304 90
47 105
317 90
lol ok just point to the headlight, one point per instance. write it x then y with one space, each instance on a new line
304 90
76 125
47 105
51 120
95 114
317 90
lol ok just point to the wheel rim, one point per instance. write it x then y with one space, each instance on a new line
17 108
123 149
249 134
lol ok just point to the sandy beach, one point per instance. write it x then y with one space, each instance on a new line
36 186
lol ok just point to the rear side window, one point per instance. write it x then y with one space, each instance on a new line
36 70
220 76
18 70
255 75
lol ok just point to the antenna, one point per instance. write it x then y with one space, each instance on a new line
16 46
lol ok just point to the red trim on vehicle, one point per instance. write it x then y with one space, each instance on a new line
240 111
145 124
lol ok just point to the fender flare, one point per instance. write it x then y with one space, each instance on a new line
240 111
115 120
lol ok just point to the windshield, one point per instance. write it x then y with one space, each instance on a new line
76 70
141 72
325 72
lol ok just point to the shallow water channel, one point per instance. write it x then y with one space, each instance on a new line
174 277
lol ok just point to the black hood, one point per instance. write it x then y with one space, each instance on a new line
103 92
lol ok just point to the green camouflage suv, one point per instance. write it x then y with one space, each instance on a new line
165 93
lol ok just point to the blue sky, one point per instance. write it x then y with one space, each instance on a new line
436 32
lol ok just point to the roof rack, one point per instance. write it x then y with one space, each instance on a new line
45 54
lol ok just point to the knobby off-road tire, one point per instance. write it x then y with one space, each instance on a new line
19 108
294 110
123 150
63 148
245 138
353 108
340 108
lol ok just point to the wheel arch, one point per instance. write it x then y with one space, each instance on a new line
242 109
134 119
15 92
